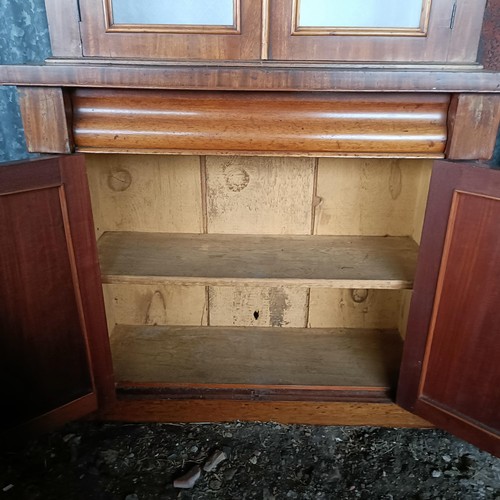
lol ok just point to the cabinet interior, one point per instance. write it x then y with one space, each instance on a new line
277 274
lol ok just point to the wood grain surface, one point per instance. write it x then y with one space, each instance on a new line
97 41
331 261
441 44
370 197
245 122
449 373
285 77
145 193
287 412
473 122
54 345
255 356
46 115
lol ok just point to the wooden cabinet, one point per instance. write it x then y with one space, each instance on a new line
424 31
201 315
259 247
55 361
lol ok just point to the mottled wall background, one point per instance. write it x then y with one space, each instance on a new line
24 39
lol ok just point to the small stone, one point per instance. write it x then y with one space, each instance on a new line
194 449
109 456
214 460
446 458
436 473
335 474
266 495
188 480
215 484
253 460
229 474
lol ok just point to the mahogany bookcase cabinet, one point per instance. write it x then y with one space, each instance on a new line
242 234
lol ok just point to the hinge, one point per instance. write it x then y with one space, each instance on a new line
453 14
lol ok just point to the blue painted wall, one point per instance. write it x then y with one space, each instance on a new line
24 39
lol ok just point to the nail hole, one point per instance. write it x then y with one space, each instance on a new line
256 314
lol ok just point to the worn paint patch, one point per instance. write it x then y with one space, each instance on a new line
158 305
237 178
259 195
258 306
278 305
157 310
395 181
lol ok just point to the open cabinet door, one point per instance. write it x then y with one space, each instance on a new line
55 362
450 373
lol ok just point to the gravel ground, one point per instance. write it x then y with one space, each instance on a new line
89 460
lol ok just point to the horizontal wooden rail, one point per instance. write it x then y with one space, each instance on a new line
263 76
260 122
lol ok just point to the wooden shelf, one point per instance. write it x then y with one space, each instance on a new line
214 259
357 359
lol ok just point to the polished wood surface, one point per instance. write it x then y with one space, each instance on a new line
450 369
217 259
465 320
473 121
44 361
46 113
265 76
287 412
441 44
50 340
86 274
260 122
97 41
348 358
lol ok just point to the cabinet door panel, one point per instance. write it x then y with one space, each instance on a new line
50 334
316 30
119 29
451 365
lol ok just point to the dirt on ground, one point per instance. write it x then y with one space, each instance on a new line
90 460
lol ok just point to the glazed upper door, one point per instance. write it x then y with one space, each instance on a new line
159 29
54 354
450 373
438 31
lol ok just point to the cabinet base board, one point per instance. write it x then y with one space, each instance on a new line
256 393
285 412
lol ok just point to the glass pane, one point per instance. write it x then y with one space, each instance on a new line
183 12
360 13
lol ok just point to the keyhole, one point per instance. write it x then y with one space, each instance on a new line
256 314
